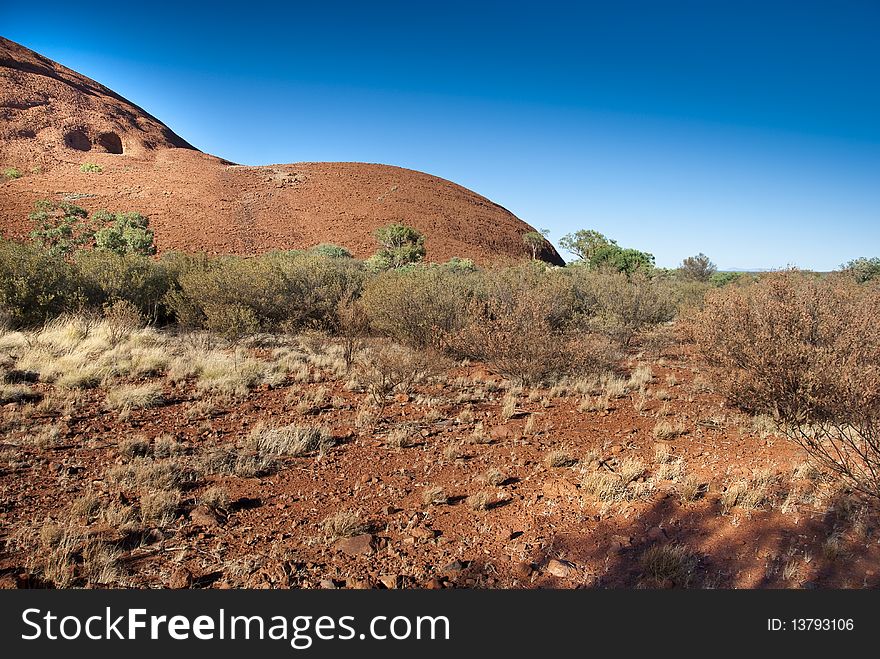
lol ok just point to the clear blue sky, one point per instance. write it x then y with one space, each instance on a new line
746 130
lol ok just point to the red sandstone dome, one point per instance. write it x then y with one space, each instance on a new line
55 119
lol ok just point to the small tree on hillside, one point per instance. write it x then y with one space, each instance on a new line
63 228
124 233
698 268
401 245
535 242
60 227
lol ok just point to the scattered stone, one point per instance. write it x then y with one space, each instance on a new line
523 570
328 584
424 533
559 487
358 545
434 584
203 516
561 569
180 578
359 584
454 567
618 543
390 581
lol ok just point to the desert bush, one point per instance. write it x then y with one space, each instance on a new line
36 285
335 251
400 246
12 173
135 279
420 306
697 268
90 168
519 328
862 269
237 296
619 306
123 233
805 350
390 368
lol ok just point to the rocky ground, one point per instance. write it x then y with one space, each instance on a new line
161 460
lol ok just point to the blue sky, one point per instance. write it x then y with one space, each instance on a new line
746 130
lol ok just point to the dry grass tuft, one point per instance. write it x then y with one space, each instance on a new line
434 496
559 458
134 397
344 524
292 440
669 565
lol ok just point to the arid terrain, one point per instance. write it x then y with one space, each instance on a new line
232 416
463 479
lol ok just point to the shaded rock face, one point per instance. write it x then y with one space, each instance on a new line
53 119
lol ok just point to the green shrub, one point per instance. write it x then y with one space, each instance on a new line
123 233
862 269
136 279
60 227
619 306
401 246
11 173
90 168
36 285
281 290
63 228
335 251
418 307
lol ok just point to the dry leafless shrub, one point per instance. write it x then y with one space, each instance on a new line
519 334
805 350
389 368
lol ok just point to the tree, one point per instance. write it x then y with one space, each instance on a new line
401 245
60 227
628 261
862 269
535 241
596 251
698 268
124 233
333 251
585 243
63 228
